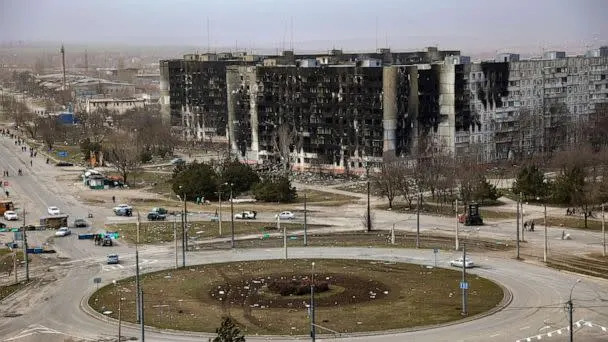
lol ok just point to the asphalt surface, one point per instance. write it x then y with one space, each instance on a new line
52 310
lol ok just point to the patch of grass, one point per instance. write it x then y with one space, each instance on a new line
189 299
6 259
315 197
429 208
7 290
373 239
571 222
359 187
159 232
74 153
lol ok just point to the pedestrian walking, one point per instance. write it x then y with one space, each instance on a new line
31 163
113 199
532 226
6 192
526 225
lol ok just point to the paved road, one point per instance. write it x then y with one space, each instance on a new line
50 310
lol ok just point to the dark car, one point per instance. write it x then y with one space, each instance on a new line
154 216
64 164
80 223
2 225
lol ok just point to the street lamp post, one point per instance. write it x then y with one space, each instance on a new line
220 212
546 244
312 304
232 245
369 211
25 256
456 241
570 311
603 232
305 221
116 288
517 230
418 220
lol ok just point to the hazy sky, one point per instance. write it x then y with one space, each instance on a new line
469 25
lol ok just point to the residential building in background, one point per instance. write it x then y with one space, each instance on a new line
343 112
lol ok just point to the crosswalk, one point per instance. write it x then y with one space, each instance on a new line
142 263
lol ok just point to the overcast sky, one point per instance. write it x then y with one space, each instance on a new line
469 25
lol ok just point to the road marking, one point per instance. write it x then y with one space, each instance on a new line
524 328
35 329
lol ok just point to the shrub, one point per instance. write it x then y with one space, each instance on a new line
275 190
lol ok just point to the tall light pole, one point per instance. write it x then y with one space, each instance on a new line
25 256
305 221
464 284
116 288
220 213
312 305
137 282
521 204
231 218
183 217
369 211
603 232
546 247
457 242
175 237
418 220
570 311
284 235
517 230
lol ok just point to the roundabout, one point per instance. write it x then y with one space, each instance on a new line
272 297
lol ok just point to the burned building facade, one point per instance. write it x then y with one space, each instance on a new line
345 112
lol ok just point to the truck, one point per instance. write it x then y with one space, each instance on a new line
54 222
6 206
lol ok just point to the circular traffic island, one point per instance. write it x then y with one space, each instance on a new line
270 297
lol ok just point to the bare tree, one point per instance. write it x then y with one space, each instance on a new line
49 130
283 140
387 181
122 151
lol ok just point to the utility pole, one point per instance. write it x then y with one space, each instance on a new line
119 316
457 223
369 217
284 236
137 288
231 218
570 319
545 251
393 235
464 280
418 220
312 305
141 321
25 256
305 221
183 241
521 204
185 226
15 267
220 213
517 230
603 232
175 239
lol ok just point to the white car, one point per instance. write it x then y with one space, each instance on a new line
53 211
246 215
63 231
122 209
285 215
10 215
458 263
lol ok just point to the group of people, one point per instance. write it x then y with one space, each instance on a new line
571 212
529 226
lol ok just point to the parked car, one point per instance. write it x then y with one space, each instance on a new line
123 210
285 215
107 241
64 164
63 231
113 259
80 223
161 211
458 263
53 211
177 161
246 215
154 216
10 215
2 225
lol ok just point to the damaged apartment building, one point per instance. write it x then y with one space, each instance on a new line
343 112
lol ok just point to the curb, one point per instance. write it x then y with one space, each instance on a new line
506 300
9 297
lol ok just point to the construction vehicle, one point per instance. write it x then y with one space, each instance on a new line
6 206
472 217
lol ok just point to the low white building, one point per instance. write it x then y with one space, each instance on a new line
117 105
